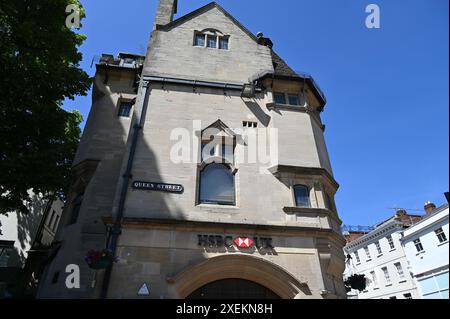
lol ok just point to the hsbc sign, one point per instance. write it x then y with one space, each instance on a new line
242 242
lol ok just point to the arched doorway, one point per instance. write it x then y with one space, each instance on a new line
233 289
247 268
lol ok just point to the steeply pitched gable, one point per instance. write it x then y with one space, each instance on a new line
281 67
202 10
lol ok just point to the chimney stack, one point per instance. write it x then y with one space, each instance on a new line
401 212
164 13
429 207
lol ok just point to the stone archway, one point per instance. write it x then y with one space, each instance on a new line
233 289
253 269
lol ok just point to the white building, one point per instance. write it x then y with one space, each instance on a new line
426 247
24 243
380 256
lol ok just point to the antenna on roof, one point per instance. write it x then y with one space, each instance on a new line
407 209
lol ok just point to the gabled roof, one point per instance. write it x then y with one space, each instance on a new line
282 69
199 12
220 126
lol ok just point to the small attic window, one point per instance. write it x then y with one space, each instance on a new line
211 38
211 41
199 40
223 43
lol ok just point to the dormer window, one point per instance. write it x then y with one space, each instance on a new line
211 38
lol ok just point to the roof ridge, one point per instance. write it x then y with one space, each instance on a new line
204 9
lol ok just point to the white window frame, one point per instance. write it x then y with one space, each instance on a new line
416 243
207 34
400 271
440 232
387 276
358 259
374 279
378 246
367 251
390 242
119 108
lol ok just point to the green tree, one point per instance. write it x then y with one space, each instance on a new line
39 69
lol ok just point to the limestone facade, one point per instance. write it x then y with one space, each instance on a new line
174 242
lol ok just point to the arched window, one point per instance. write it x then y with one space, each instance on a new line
211 38
217 185
301 193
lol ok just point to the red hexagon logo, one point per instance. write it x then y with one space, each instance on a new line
243 242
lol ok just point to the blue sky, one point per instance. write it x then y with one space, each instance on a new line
387 117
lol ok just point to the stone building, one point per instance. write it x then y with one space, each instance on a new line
202 222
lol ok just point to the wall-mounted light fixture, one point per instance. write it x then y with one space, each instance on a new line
248 90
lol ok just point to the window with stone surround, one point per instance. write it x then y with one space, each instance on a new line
125 108
211 38
329 201
217 171
217 185
284 98
301 194
279 98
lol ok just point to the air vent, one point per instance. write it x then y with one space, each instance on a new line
250 124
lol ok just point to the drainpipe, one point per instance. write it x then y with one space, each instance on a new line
116 229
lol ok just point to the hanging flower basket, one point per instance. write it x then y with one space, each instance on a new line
99 259
357 282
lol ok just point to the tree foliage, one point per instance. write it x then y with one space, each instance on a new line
39 69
